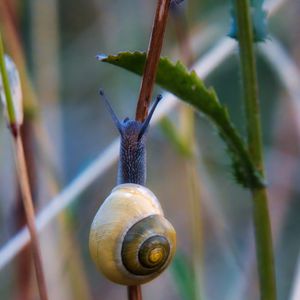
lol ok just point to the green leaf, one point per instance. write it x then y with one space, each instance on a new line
188 87
259 21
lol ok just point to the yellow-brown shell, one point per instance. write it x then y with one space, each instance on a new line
131 213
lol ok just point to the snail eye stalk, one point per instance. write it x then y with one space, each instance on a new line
148 119
111 111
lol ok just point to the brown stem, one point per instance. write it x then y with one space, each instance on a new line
153 55
24 264
152 60
29 211
134 292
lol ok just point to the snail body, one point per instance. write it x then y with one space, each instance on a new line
130 240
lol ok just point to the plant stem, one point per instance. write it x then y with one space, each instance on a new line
134 292
29 210
23 177
263 235
148 79
152 60
248 65
24 265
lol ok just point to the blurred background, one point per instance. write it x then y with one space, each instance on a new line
54 44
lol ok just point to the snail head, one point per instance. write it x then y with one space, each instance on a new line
129 128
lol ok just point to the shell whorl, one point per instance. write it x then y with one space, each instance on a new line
146 246
130 240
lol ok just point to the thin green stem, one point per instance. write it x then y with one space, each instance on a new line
9 102
263 235
248 65
264 250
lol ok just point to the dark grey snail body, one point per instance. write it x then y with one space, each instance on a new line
130 240
132 163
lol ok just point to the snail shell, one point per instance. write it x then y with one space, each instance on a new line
130 240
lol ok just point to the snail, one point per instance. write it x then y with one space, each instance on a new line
130 240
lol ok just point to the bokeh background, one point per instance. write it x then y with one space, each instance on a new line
54 44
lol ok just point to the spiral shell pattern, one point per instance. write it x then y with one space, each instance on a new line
130 240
